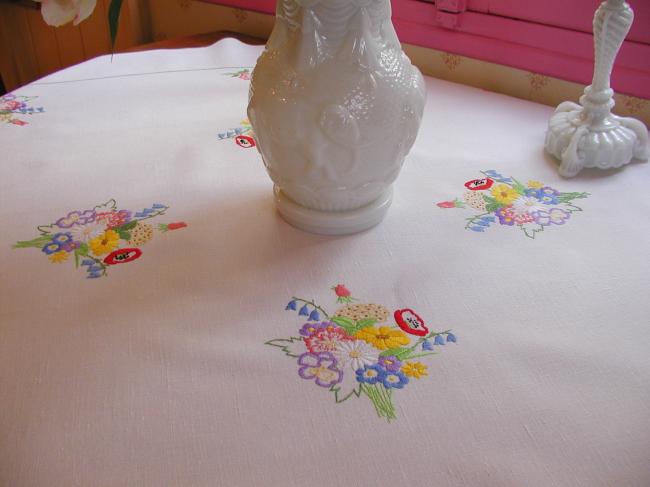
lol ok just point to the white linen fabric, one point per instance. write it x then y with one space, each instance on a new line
158 373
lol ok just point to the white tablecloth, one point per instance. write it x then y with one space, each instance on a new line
144 339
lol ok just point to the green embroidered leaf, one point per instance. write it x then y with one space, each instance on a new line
343 321
110 205
47 229
38 242
129 226
530 229
82 249
491 204
397 352
418 355
346 323
571 208
347 388
124 235
566 197
518 187
365 323
293 346
406 354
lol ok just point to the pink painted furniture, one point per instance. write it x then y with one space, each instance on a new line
553 37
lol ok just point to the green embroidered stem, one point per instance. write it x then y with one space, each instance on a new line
568 197
152 215
423 339
313 304
381 399
419 355
99 263
38 242
471 220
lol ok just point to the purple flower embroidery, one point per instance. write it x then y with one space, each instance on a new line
555 216
371 374
62 238
394 380
390 363
506 215
321 367
51 248
76 218
309 329
70 246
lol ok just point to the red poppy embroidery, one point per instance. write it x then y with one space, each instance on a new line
479 184
122 256
409 321
245 141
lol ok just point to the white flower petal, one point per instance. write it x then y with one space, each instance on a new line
84 9
84 233
58 12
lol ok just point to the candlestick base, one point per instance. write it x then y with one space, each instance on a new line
588 135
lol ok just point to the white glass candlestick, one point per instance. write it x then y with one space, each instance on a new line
589 135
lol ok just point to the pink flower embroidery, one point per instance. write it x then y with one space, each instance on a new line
327 339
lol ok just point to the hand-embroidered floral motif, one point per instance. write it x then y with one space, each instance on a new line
532 207
11 105
243 135
244 74
357 352
100 237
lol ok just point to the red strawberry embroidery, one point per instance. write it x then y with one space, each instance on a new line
343 294
341 291
176 226
409 321
447 204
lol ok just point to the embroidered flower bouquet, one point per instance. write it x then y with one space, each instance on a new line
361 349
12 105
100 237
532 207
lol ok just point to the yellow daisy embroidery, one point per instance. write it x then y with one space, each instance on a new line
105 243
58 257
535 184
415 369
504 194
383 337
